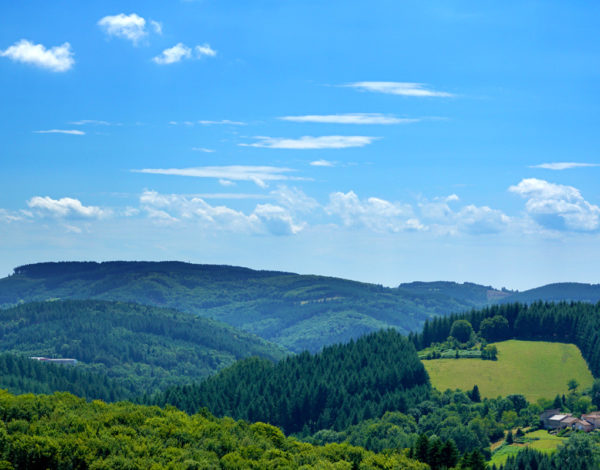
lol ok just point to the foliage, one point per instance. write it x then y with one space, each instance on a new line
340 386
461 330
142 348
533 369
65 432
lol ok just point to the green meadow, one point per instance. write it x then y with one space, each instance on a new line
535 369
539 440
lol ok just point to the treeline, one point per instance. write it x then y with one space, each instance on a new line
64 432
143 348
339 387
24 375
572 322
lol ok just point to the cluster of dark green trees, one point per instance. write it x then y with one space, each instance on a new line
338 387
142 348
570 322
20 374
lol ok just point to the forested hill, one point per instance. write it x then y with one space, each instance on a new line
340 386
563 291
141 348
300 312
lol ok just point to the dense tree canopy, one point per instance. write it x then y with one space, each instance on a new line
340 386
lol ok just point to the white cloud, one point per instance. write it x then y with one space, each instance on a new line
202 149
177 208
222 121
131 27
92 122
564 165
223 182
399 88
156 26
481 220
56 59
61 131
351 118
180 51
205 51
373 213
322 163
174 54
260 175
8 217
65 207
556 206
309 142
294 199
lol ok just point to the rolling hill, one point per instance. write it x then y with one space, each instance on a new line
141 348
299 312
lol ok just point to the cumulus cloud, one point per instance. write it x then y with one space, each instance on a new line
311 143
481 220
259 175
61 131
65 207
180 52
557 206
564 165
399 88
131 27
176 208
373 213
350 118
294 199
55 59
174 54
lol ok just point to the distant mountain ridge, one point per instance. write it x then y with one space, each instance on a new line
299 312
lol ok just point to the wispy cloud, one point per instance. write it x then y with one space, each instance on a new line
156 26
202 149
56 59
222 121
399 88
180 51
564 165
65 207
131 27
311 143
260 175
93 122
322 163
350 118
61 131
556 206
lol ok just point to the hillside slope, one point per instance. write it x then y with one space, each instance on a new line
143 348
562 291
339 386
300 312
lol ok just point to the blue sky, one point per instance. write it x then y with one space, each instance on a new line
383 141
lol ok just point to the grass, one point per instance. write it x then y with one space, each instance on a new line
540 440
535 369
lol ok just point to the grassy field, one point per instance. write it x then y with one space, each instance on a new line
540 440
535 369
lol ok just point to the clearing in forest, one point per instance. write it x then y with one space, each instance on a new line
536 369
